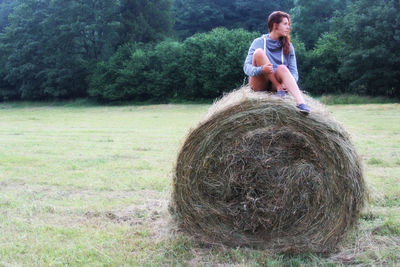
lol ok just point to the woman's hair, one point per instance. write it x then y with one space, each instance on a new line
276 17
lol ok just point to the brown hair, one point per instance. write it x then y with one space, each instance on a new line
276 17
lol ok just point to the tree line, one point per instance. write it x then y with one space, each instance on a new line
116 50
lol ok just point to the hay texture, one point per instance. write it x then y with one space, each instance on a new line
256 172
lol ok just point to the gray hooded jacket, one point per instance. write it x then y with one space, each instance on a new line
275 55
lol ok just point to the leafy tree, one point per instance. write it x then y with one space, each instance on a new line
252 15
322 65
144 20
195 16
370 30
22 64
92 25
311 18
6 8
52 44
7 92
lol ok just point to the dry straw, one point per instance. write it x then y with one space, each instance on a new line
256 172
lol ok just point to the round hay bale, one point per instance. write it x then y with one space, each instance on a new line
256 172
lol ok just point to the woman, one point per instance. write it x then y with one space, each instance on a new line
271 61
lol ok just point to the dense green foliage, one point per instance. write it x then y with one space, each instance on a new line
213 63
371 30
144 20
203 66
319 67
360 54
116 49
50 45
6 8
139 72
193 16
311 18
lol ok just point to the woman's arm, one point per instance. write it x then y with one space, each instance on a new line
248 67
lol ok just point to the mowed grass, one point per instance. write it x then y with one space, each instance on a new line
90 185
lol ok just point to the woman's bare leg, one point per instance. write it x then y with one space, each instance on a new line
284 75
259 83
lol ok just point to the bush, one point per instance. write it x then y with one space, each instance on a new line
202 67
213 62
323 63
167 76
138 72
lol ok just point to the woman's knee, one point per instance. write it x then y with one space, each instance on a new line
282 69
259 53
259 57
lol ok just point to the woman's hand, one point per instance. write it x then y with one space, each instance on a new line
281 87
267 68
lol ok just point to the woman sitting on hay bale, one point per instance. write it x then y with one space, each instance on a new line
271 61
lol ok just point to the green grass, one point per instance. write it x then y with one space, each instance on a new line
344 99
89 185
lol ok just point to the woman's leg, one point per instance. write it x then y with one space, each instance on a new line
283 74
259 83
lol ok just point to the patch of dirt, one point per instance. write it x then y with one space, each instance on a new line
153 212
150 208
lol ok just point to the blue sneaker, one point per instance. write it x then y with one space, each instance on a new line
303 108
281 93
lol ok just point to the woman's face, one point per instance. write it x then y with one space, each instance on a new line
283 28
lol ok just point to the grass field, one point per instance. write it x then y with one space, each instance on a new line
89 185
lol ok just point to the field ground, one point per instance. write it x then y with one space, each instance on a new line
89 185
